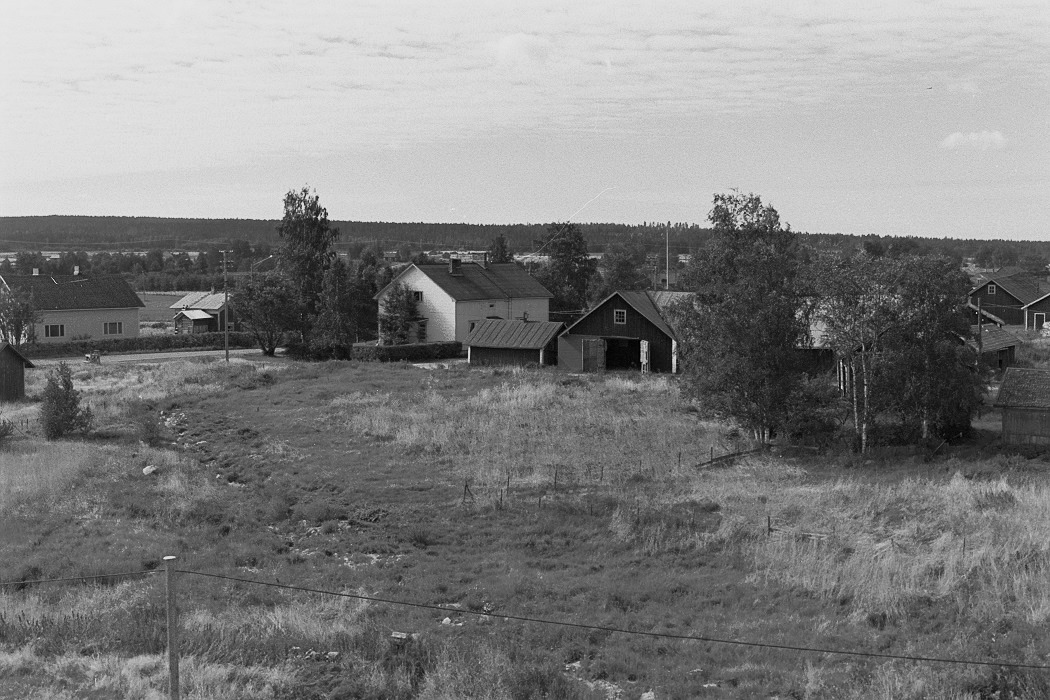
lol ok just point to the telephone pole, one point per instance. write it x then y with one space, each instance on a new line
226 304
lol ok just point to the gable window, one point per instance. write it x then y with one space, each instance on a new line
620 316
113 328
56 330
417 296
991 290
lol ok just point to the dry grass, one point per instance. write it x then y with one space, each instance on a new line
41 470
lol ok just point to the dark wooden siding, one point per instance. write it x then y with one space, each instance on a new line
1039 307
599 324
12 376
503 356
1026 426
1001 304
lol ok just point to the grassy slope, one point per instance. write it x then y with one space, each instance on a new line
351 477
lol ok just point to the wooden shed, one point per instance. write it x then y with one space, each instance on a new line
1024 397
499 342
998 347
13 366
633 331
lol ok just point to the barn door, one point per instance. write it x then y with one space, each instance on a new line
644 358
593 354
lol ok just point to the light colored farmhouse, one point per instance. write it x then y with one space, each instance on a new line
76 308
451 299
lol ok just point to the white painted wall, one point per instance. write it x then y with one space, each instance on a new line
88 323
507 309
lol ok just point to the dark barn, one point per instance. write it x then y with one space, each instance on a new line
997 346
12 373
499 342
1024 397
1006 293
633 331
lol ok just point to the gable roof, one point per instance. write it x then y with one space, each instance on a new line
516 335
497 281
194 314
1024 388
1015 282
201 300
11 348
993 338
70 292
646 304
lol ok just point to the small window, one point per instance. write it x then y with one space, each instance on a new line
472 324
991 290
55 331
113 328
417 296
620 316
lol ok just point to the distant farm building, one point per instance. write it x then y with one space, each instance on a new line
1024 397
997 346
626 330
201 312
495 342
1014 297
451 299
72 307
13 366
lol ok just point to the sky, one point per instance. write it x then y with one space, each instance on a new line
891 118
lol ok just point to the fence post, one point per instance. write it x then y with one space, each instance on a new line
173 629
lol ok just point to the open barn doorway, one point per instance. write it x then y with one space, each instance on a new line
623 353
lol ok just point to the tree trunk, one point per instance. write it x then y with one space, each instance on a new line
865 416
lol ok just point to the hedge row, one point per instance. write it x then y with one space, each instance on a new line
145 343
416 352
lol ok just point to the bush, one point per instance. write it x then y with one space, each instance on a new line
414 352
145 343
61 412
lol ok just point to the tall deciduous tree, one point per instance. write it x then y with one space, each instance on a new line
622 268
346 312
306 251
398 313
267 305
569 273
499 251
740 336
18 316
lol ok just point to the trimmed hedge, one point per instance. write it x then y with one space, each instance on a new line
414 352
145 343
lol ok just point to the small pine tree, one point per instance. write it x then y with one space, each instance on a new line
61 412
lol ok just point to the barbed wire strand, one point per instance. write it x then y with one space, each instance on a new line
619 630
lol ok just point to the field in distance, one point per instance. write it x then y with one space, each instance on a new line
496 494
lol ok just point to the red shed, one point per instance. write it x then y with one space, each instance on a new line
12 373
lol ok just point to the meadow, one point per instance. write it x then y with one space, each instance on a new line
497 494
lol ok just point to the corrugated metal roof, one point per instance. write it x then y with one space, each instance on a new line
201 300
516 335
993 338
70 292
194 314
1024 388
497 281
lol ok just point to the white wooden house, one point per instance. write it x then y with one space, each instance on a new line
452 298
73 307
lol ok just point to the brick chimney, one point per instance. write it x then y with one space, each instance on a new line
453 267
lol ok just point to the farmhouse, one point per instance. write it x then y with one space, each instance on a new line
1024 397
495 342
201 312
452 299
626 330
13 366
1006 294
74 307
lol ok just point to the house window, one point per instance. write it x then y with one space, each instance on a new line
55 331
620 316
113 328
991 290
417 296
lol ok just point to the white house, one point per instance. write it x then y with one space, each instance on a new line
452 298
72 307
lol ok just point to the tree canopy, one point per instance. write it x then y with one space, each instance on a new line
569 273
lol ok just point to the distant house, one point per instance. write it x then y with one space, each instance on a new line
1006 294
1024 397
496 342
451 299
998 347
13 365
626 330
73 307
201 312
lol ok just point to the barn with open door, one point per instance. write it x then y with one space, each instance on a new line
625 331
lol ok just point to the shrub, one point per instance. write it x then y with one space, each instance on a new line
61 412
413 352
143 343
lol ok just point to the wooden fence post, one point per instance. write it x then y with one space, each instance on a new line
173 629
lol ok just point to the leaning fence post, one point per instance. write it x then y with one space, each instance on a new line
173 629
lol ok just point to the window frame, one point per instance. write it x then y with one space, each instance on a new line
417 296
61 330
991 290
620 317
119 328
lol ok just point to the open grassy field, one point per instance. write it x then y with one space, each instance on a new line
505 493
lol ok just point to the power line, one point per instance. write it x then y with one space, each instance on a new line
638 633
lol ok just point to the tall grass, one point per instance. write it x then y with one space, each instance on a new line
605 429
44 470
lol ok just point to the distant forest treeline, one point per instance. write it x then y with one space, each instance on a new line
146 233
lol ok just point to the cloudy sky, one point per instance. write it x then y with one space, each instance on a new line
928 118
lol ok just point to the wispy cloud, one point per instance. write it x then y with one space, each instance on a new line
981 140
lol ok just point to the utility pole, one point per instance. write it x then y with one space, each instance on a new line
667 258
226 304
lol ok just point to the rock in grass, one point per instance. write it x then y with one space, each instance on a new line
150 469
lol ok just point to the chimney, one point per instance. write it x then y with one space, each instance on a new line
453 267
36 272
76 270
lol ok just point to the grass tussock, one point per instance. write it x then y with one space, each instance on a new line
532 428
44 470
